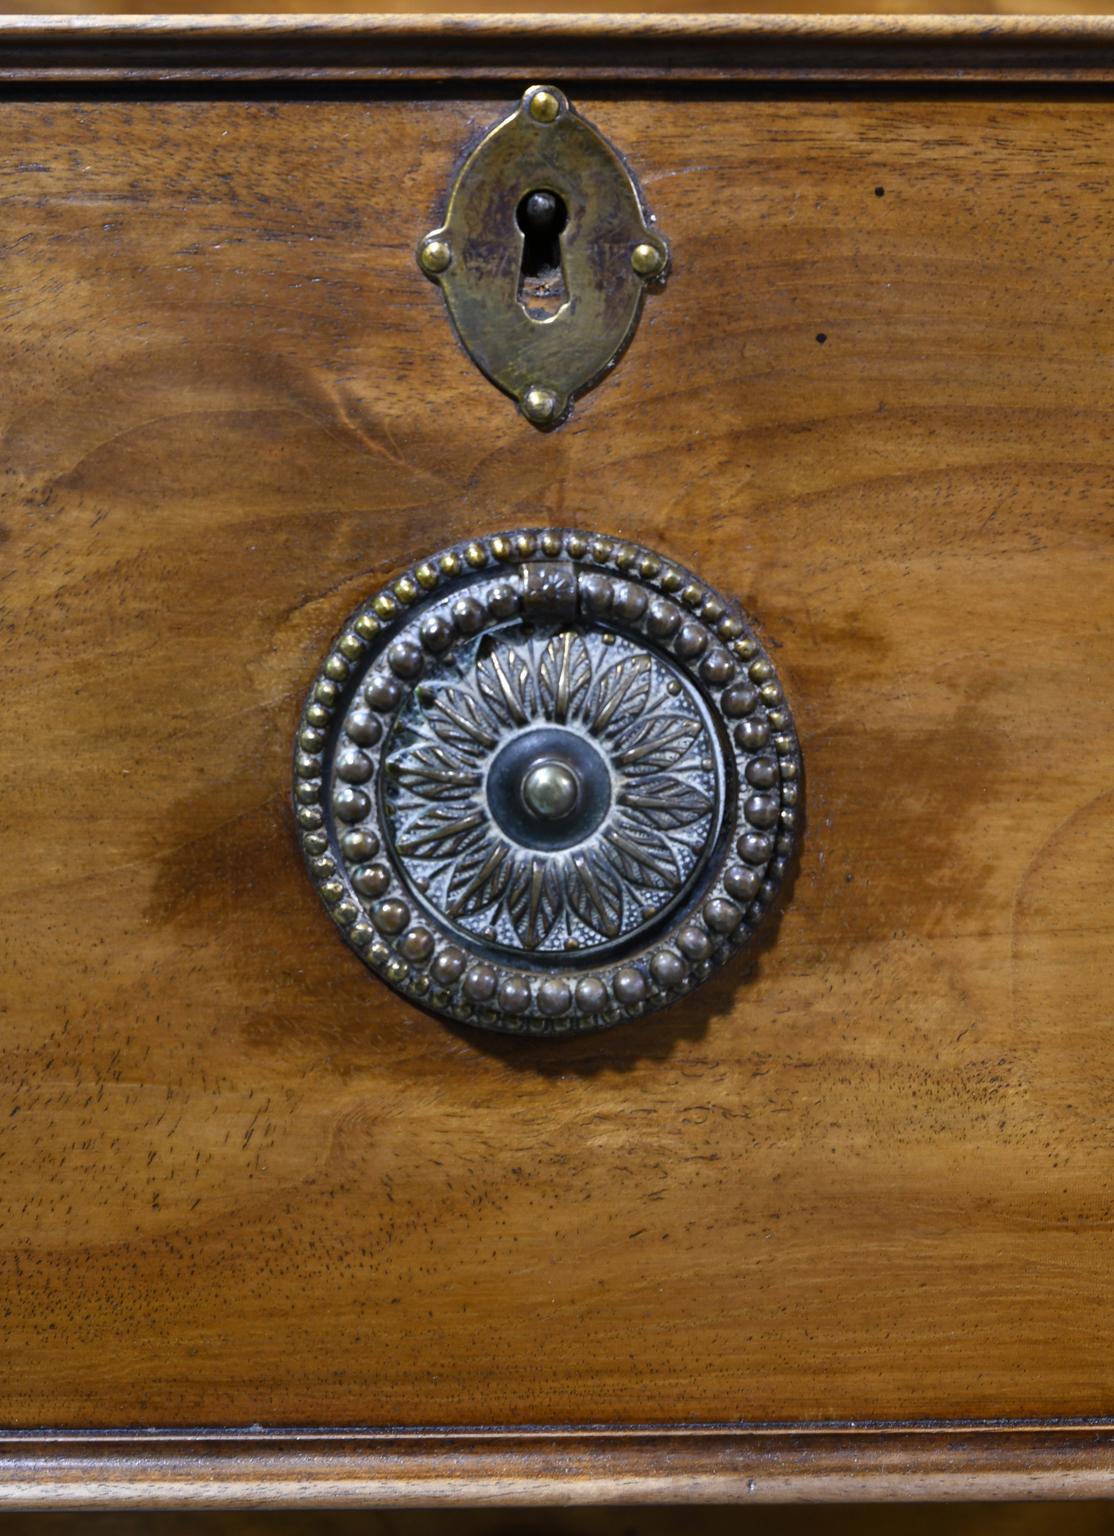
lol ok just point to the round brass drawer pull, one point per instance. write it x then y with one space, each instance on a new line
546 782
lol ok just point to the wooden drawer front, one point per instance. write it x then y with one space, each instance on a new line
866 1179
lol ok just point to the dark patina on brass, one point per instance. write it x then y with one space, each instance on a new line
544 255
547 781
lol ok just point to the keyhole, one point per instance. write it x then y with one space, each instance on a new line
542 217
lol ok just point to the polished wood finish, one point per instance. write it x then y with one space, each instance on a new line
866 1181
541 1469
801 50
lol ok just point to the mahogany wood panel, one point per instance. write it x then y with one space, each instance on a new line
869 1180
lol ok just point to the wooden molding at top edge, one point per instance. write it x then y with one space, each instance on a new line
290 1469
195 50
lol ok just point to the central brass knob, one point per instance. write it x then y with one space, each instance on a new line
551 790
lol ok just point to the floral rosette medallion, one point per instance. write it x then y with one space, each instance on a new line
546 782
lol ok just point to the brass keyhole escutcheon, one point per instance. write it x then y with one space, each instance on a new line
544 256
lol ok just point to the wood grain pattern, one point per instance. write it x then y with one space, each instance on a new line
961 51
868 1181
541 1469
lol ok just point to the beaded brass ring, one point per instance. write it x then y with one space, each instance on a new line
547 782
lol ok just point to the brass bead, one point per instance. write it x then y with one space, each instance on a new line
722 916
514 994
468 615
646 259
435 255
576 544
668 969
590 994
526 544
426 575
474 555
762 772
436 632
351 646
418 944
406 589
367 625
551 543
502 548
450 564
752 734
691 641
359 844
350 804
554 996
385 606
353 766
391 916
337 668
544 106
628 986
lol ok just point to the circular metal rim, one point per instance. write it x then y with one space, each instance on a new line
630 985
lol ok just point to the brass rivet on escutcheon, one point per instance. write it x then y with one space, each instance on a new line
435 256
540 406
544 107
646 259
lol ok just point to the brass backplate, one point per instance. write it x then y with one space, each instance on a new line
544 337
